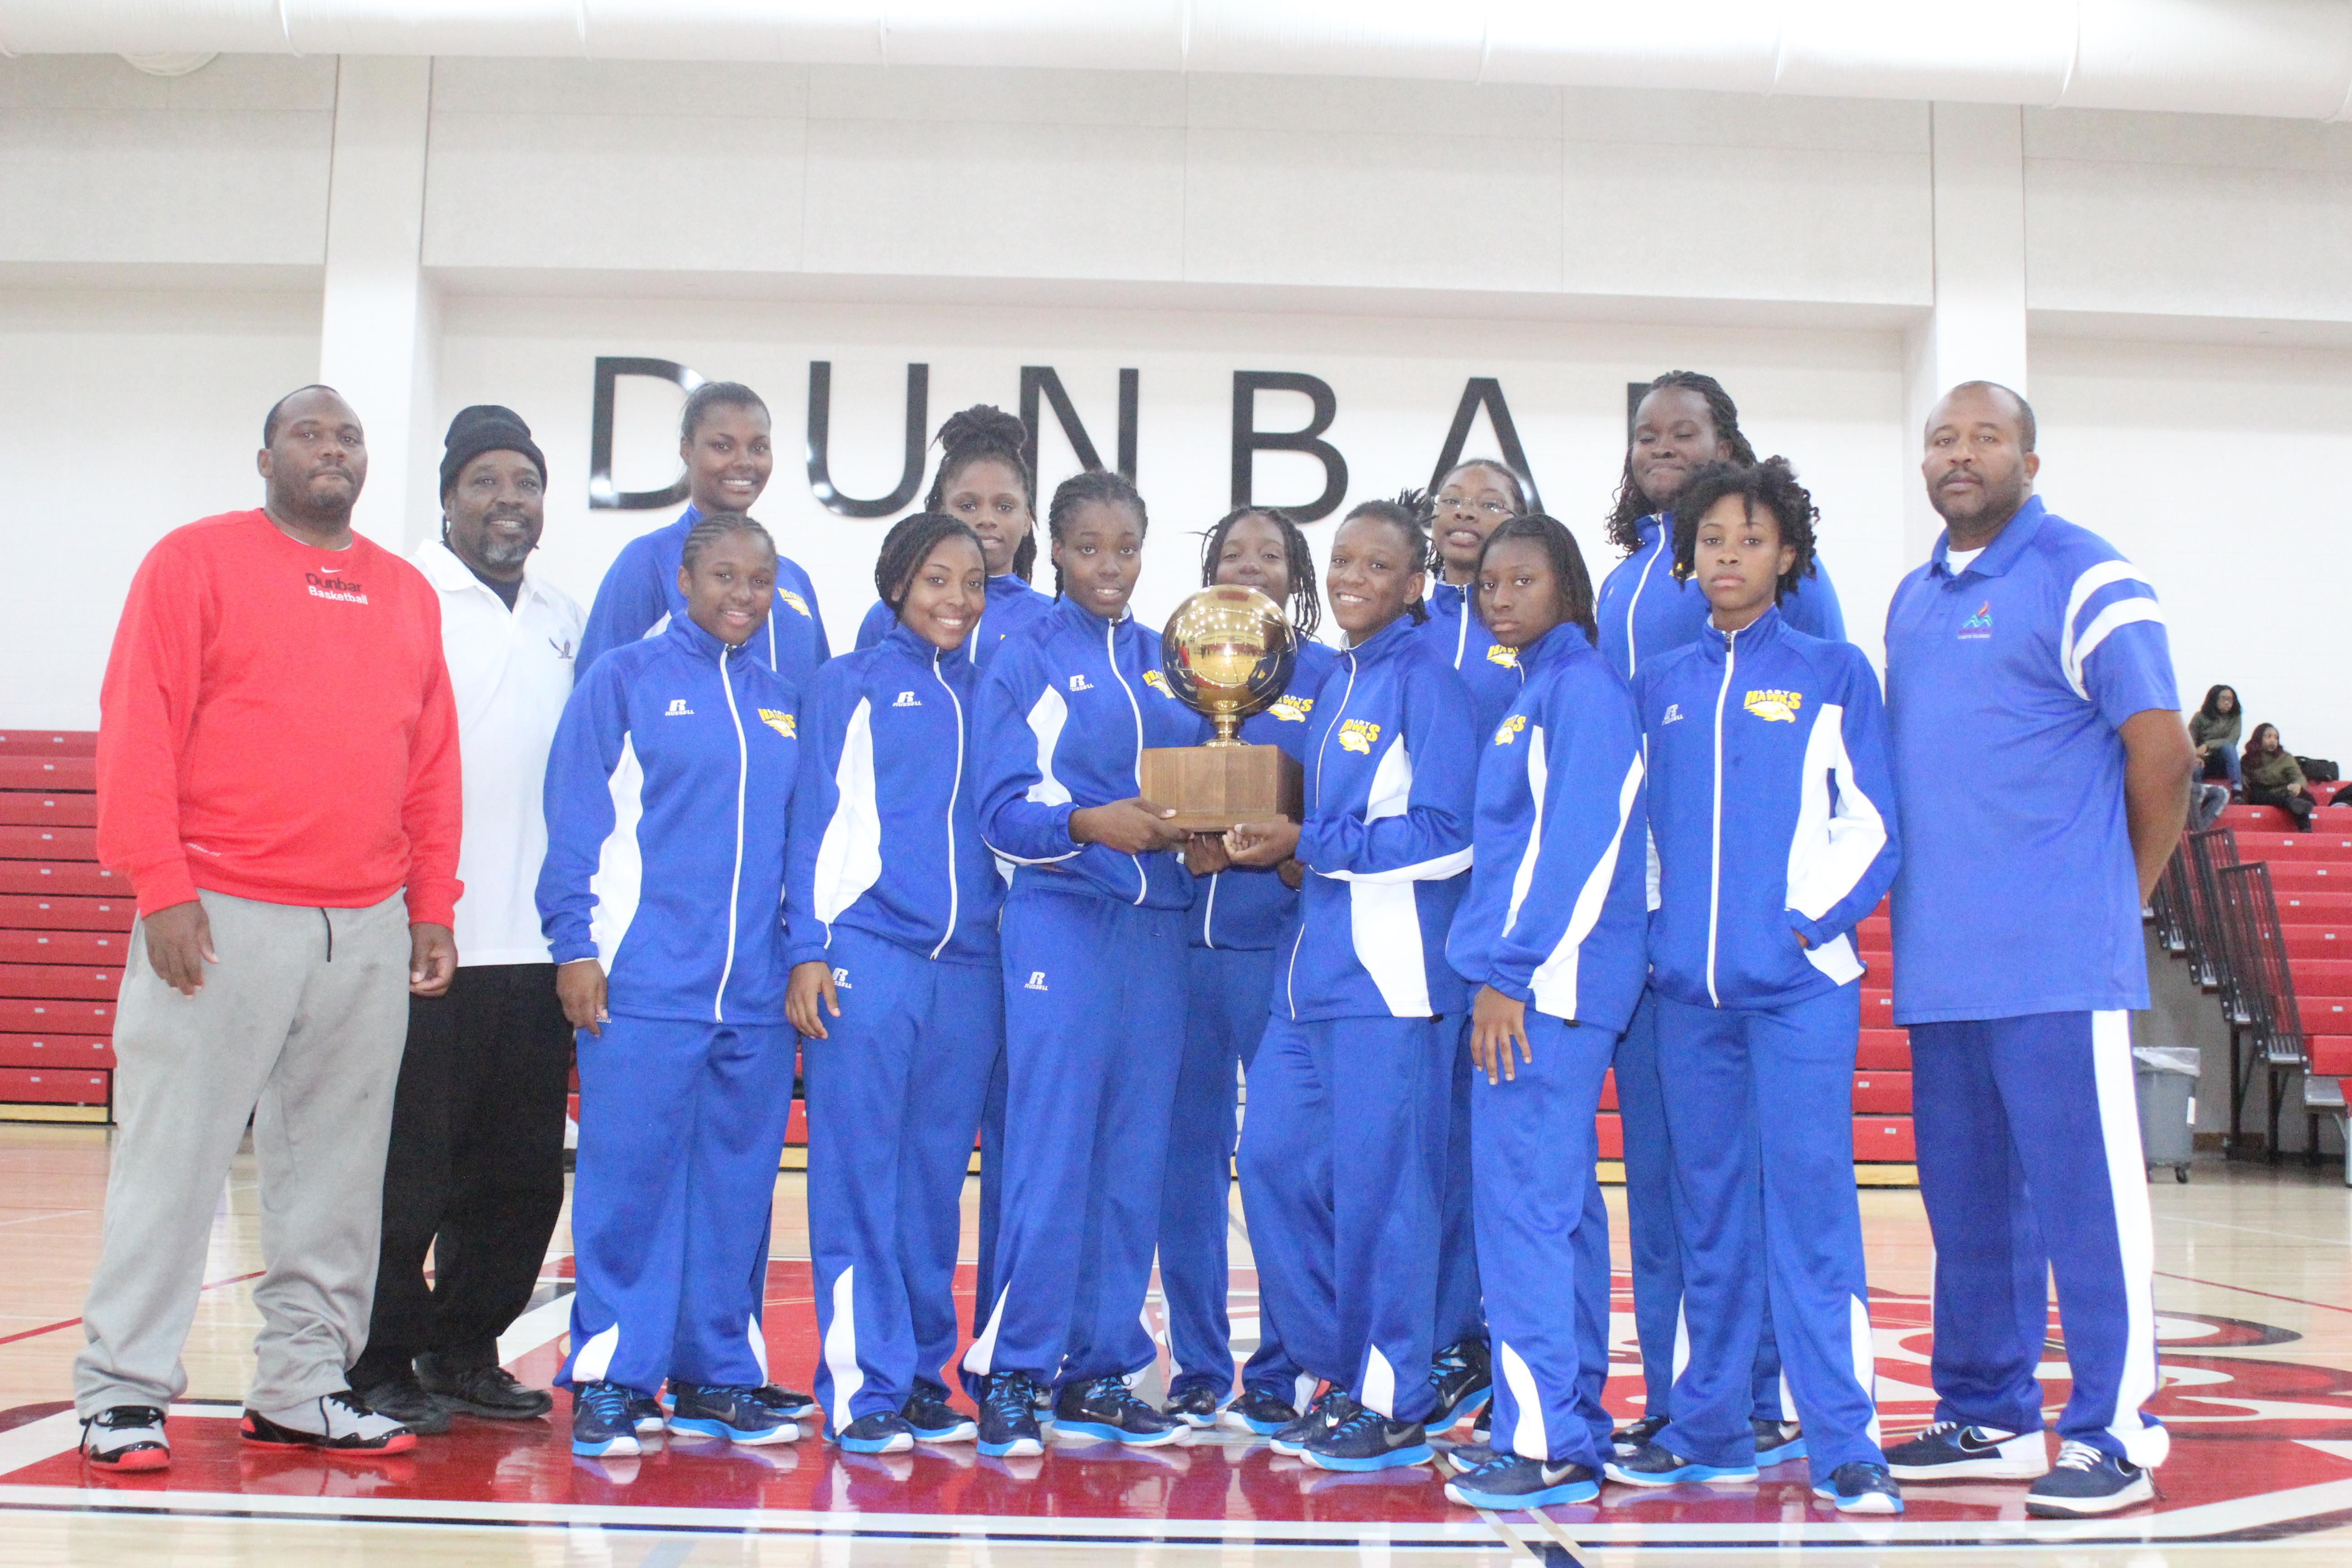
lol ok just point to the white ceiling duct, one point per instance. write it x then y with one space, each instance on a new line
2284 58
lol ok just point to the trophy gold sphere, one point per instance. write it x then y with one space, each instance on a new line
1227 654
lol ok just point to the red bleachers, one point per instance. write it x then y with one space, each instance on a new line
65 931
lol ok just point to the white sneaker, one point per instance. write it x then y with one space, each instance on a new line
126 1438
1951 1451
336 1421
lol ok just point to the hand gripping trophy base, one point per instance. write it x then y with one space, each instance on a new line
1226 654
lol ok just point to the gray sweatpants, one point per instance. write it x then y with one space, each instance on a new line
300 1026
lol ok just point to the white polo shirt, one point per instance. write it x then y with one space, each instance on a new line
511 673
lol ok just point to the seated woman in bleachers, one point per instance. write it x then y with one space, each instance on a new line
2274 778
2213 729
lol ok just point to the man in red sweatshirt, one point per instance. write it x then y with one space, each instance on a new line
277 778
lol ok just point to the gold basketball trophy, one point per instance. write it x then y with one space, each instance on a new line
1227 654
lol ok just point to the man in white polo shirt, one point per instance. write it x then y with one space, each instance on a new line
476 1167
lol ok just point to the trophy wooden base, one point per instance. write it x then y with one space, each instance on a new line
1212 788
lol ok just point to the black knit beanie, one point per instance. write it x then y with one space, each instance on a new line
487 427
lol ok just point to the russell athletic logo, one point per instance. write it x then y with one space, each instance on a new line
328 585
1359 735
1775 706
1080 683
782 724
1036 981
1976 628
1674 715
677 710
908 699
841 979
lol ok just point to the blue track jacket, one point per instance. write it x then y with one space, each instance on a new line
1391 781
885 837
1248 907
1063 713
667 794
1489 669
1013 607
1558 902
1773 810
639 596
1644 613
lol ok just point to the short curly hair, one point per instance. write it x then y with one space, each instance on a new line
1769 487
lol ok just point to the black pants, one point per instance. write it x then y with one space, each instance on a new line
2297 804
476 1168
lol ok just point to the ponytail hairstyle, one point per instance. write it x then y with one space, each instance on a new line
908 545
712 394
1769 487
1568 570
986 433
1633 506
1092 485
1306 603
1408 515
708 531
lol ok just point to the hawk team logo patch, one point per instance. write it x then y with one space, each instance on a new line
1157 682
1775 706
782 724
1978 626
1507 657
796 601
1359 735
1294 710
1510 728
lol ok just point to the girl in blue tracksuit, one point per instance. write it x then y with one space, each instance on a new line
891 903
667 792
1774 827
1551 934
1342 1156
1240 915
1093 956
724 442
1685 420
984 482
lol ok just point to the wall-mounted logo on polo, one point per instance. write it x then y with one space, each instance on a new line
782 724
1775 706
1359 735
330 584
677 710
1292 709
1978 626
1510 729
796 601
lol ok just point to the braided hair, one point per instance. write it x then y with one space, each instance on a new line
985 433
1632 506
1092 485
908 545
1306 603
1408 515
1769 487
1572 581
708 531
713 395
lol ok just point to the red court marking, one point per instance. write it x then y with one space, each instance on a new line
69 1322
2250 1290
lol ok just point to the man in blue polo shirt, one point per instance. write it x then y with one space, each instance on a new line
2039 768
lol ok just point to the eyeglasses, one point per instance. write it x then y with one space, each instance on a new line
1491 508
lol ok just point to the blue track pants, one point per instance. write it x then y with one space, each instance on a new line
894 1096
1094 1032
1544 1234
1227 990
681 1130
1342 1161
2029 1161
1461 1299
1761 1106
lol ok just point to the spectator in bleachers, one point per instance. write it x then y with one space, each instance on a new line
476 1170
2274 778
2214 731
277 780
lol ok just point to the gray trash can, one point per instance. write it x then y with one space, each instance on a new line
2164 1078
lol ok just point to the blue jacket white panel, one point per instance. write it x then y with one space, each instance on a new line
1392 784
1012 608
668 793
886 835
1250 907
1489 669
1557 907
1062 716
639 597
1771 810
1643 612
2006 685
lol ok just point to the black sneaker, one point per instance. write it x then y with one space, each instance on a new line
337 1423
603 1420
1655 1465
783 1400
1008 1417
1631 1439
1777 1442
737 1415
1860 1486
1368 1440
1482 1426
884 1432
1194 1406
932 1419
1949 1451
1259 1411
486 1390
1507 1482
1463 1457
2086 1483
647 1416
405 1398
1460 1376
1334 1405
1107 1411
126 1438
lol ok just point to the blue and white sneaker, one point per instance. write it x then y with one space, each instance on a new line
1955 1451
932 1419
1777 1442
1194 1404
600 1424
2086 1483
1259 1411
1334 1405
1630 1440
1008 1418
1368 1440
1107 1411
647 1415
883 1432
737 1415
1507 1482
1860 1486
785 1402
1460 1376
1657 1465
1463 1457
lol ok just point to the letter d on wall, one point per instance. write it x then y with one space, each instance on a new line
602 496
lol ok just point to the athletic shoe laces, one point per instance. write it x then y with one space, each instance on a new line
1115 1390
2073 1456
1008 1398
608 1402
